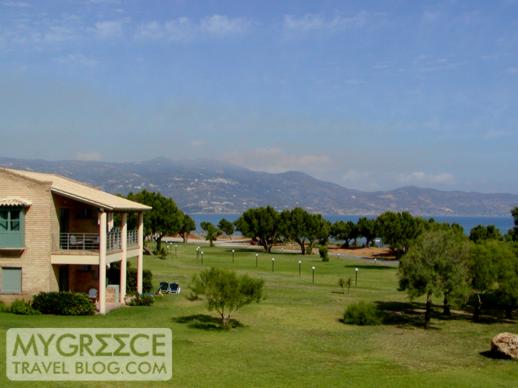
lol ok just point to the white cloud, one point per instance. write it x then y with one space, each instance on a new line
223 25
77 59
364 180
89 156
428 64
494 134
274 159
184 29
315 22
430 16
57 33
109 29
420 178
102 2
198 143
14 4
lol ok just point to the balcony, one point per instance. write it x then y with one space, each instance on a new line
89 242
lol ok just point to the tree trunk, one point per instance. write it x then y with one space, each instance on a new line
211 242
509 312
446 305
477 309
158 243
302 247
428 311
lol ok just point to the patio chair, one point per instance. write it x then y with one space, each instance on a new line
164 288
92 294
175 288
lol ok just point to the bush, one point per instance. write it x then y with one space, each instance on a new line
227 292
3 307
161 253
142 300
63 303
22 307
362 313
323 252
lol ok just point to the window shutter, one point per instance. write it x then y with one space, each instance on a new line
12 280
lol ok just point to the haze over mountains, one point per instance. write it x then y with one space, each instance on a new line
209 186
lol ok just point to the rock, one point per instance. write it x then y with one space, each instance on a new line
505 345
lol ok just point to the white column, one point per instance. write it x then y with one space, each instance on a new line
124 256
102 262
140 258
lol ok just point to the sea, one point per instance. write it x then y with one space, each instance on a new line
502 223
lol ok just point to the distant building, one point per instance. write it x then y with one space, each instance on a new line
59 234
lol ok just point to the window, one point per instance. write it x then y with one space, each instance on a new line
4 220
11 280
11 227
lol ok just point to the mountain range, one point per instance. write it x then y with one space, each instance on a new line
211 186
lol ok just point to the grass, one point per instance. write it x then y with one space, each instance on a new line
295 337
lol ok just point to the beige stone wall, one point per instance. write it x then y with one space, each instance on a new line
82 217
37 272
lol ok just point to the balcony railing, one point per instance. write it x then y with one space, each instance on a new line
132 238
79 241
90 241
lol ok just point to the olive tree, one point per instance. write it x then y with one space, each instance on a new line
212 232
226 227
261 224
226 292
345 231
163 219
304 228
399 230
186 227
435 265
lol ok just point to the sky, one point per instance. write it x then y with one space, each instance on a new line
372 95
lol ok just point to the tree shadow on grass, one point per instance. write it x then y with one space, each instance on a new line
412 314
206 322
379 266
402 313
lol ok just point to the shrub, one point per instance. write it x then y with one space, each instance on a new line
323 252
22 307
192 296
362 313
161 253
227 292
63 303
342 283
142 300
3 307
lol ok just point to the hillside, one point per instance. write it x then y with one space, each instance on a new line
208 186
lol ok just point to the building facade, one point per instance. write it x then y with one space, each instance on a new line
60 234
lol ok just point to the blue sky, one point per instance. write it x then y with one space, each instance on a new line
368 94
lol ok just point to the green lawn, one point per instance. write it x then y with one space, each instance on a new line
295 337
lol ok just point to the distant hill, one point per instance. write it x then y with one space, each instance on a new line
209 186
